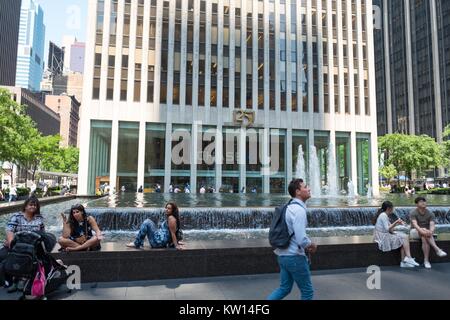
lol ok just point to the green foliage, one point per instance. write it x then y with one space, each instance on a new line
408 153
388 172
13 123
22 144
439 191
65 160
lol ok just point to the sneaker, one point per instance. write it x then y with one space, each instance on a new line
427 265
411 261
441 253
405 265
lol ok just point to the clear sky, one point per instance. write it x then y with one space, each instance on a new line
63 17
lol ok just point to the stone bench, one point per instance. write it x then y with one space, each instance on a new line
115 262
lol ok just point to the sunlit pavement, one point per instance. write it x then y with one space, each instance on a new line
347 284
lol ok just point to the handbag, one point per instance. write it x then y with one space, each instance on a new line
39 282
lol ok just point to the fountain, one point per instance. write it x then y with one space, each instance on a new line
300 170
248 218
332 172
369 192
351 189
314 173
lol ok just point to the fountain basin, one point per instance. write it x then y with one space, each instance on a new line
248 218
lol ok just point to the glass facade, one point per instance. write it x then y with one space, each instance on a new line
343 159
231 154
278 161
363 160
99 154
300 139
322 142
127 156
413 99
206 168
254 155
181 155
155 139
270 57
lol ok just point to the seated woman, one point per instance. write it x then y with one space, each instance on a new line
77 231
29 219
168 234
388 240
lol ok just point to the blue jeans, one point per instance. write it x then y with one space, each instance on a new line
293 268
148 229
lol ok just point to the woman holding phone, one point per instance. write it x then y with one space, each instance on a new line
387 239
77 231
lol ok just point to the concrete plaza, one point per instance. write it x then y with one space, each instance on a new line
346 284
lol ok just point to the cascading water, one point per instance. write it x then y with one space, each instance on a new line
300 170
369 192
221 223
248 218
332 171
314 173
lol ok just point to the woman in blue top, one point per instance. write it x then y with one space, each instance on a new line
165 235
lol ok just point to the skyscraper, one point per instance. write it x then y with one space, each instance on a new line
9 35
55 59
412 57
30 55
240 73
77 57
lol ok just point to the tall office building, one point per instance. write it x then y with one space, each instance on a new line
68 109
55 59
9 35
412 57
30 55
77 57
67 43
166 79
47 121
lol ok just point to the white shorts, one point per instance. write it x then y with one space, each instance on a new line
414 235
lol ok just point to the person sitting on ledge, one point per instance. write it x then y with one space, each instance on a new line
167 235
31 220
422 227
387 239
77 231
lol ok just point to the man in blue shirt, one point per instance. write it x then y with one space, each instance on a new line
293 261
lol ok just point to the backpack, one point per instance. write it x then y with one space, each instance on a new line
22 259
55 274
279 237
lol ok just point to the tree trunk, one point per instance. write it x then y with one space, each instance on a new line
34 173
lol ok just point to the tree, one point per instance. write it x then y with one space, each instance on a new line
20 142
39 149
14 124
389 172
408 153
65 160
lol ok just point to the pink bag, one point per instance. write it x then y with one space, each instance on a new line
38 288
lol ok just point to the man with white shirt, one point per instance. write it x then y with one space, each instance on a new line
293 261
